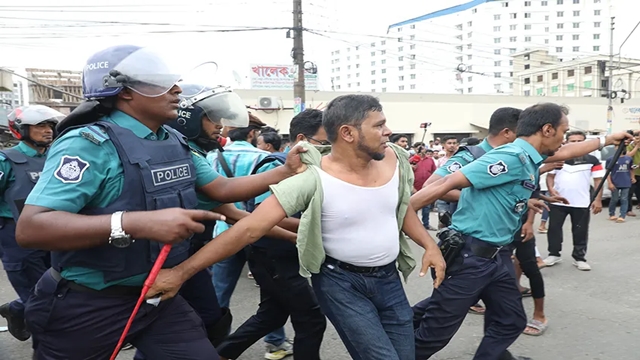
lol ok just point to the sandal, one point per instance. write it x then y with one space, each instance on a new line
538 326
526 292
542 231
477 309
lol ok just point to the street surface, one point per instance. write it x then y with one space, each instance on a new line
592 315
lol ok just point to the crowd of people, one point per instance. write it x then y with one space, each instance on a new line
323 219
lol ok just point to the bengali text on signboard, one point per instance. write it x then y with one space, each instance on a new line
279 77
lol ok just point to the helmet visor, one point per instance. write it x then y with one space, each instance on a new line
35 114
225 108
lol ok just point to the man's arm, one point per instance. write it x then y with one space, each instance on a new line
438 189
432 257
246 231
574 150
456 162
551 181
233 215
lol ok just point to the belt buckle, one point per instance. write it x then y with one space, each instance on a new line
496 252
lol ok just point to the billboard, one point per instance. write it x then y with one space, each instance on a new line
279 77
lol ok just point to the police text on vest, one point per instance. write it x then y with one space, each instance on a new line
171 174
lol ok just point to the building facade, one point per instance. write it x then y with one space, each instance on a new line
66 80
537 73
467 48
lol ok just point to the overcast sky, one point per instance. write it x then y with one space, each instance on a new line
63 34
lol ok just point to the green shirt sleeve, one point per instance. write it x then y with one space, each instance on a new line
295 193
204 172
77 171
6 174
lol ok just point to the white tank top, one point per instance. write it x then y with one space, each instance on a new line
359 224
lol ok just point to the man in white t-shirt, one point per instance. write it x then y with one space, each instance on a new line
573 182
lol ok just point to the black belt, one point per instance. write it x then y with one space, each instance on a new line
484 250
114 290
353 268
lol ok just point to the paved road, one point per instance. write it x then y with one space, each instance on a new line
593 315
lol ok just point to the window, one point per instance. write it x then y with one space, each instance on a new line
496 41
384 89
337 87
513 16
512 27
384 81
560 14
527 92
527 3
496 28
373 53
510 62
527 66
470 78
546 41
469 46
512 39
596 48
496 52
576 1
559 37
587 84
576 13
412 76
559 2
596 12
527 27
546 30
358 75
383 71
400 68
571 87
596 36
474 11
576 25
412 27
470 90
496 17
382 52
527 15
401 78
357 66
373 72
497 63
400 58
373 82
544 3
469 57
399 29
576 49
412 47
413 86
469 34
401 87
373 90
539 91
596 24
527 39
527 81
469 23
399 39
412 66
560 26
497 74
570 73
373 63
412 56
576 37
554 76
559 49
546 18
588 70
383 42
400 48
459 27
512 51
505 4
540 78
384 61
554 89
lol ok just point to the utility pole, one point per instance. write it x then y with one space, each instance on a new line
610 81
298 57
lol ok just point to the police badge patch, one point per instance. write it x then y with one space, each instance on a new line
455 166
71 169
519 207
498 168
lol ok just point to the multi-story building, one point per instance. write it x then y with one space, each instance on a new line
66 80
467 48
537 73
11 100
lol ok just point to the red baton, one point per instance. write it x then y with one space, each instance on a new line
145 289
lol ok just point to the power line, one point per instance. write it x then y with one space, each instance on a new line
41 84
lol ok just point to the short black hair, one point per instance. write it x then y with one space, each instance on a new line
533 118
419 143
396 137
447 138
268 129
241 134
576 132
348 110
272 138
504 118
473 141
306 123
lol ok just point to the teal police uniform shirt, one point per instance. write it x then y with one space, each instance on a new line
7 177
242 158
204 202
460 159
99 183
502 182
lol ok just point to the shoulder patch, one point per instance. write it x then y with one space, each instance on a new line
523 159
467 156
95 134
497 168
71 169
454 166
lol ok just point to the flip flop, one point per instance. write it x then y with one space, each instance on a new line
526 292
537 325
473 309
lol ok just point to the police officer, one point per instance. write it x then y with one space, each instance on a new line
503 180
116 186
20 168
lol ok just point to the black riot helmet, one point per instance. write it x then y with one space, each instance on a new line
220 105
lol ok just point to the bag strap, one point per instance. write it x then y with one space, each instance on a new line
224 165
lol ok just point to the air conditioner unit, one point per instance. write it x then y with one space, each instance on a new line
269 102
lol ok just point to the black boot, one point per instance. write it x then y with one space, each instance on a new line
17 326
219 331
